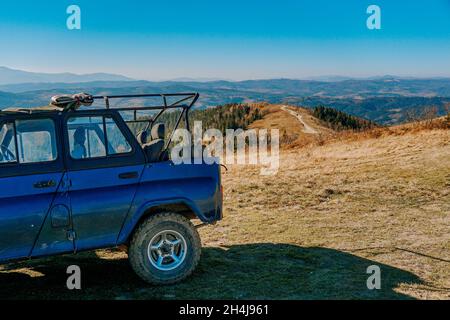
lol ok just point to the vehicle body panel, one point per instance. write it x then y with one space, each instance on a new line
26 195
100 202
23 209
195 185
54 236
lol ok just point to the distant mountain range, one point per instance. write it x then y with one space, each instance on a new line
382 99
13 76
386 86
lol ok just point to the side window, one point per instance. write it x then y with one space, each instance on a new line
8 152
117 143
86 137
95 137
35 140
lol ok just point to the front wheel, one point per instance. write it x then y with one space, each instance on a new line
165 249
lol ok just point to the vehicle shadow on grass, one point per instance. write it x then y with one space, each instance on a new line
252 271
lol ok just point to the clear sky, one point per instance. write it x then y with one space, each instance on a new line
232 39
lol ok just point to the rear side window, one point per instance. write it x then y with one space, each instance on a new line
28 141
86 137
95 137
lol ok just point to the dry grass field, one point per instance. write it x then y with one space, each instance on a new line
309 232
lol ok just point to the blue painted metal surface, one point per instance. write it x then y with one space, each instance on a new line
100 203
23 209
103 208
195 185
53 237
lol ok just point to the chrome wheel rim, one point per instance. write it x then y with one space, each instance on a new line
167 250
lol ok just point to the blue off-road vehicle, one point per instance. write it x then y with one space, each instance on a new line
75 176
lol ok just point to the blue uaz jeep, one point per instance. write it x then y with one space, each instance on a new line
76 178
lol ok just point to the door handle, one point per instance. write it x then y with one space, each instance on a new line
129 175
44 184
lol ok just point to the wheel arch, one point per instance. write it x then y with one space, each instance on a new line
180 206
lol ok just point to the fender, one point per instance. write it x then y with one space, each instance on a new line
135 215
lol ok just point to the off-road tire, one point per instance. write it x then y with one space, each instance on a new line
138 257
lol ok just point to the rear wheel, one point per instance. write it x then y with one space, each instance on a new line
165 249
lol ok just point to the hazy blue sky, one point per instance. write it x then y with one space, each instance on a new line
231 39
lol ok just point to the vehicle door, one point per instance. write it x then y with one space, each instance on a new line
31 169
104 163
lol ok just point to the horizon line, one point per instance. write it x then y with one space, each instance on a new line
319 78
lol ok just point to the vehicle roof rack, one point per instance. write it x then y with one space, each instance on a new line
74 102
184 101
190 98
69 103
